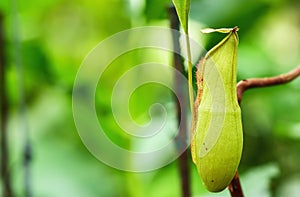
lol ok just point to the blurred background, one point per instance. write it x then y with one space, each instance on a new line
50 39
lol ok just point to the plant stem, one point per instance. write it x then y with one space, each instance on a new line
5 174
190 76
246 84
235 186
181 110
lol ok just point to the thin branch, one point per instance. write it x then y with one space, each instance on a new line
235 186
181 114
246 84
5 174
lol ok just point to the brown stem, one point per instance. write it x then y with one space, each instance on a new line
235 186
246 84
5 174
181 110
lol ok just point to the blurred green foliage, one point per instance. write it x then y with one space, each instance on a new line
56 35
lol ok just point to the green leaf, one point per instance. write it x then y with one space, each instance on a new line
183 9
221 30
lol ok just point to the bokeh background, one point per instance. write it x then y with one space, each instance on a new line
56 35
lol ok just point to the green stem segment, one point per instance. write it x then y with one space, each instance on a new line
190 75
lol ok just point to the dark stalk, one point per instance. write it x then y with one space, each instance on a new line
235 187
246 84
5 174
179 86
